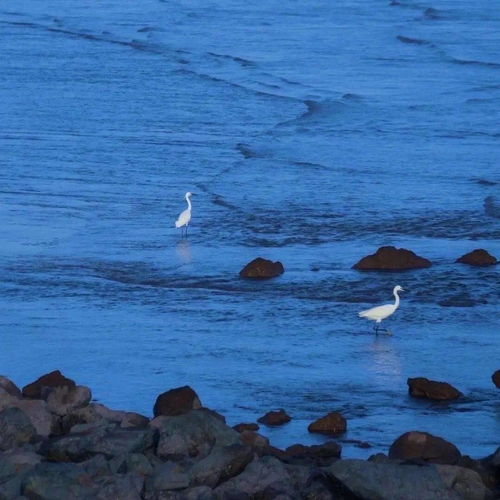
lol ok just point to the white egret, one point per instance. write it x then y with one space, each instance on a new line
379 313
185 216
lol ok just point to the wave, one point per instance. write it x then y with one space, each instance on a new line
412 41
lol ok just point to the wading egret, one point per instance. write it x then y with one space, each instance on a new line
185 216
379 313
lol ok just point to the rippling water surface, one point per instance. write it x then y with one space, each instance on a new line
312 132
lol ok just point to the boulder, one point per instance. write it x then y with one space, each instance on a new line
496 378
176 402
392 259
107 440
263 478
16 429
333 423
424 446
478 257
168 476
64 399
9 387
37 411
261 268
38 388
322 454
223 463
389 481
253 439
421 387
14 465
131 463
466 482
192 435
274 418
245 427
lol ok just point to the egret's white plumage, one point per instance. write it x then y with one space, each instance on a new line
379 313
185 216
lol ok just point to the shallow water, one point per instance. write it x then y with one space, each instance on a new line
312 133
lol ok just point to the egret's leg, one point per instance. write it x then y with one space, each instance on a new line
376 327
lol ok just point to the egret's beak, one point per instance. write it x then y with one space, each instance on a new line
402 290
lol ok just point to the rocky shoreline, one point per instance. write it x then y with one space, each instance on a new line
55 444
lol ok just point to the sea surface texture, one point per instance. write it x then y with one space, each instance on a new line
312 132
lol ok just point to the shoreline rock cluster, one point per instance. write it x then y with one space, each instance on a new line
56 444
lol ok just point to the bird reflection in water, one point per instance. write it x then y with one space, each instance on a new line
183 250
386 362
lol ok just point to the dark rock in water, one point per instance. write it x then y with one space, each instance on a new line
176 402
262 269
9 387
273 418
322 454
478 257
246 427
392 259
38 388
15 429
192 435
332 423
391 481
220 465
424 446
421 387
496 378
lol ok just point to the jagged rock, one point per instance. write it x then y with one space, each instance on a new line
496 378
478 257
273 418
107 440
221 464
322 454
260 268
16 429
38 388
424 446
193 434
386 481
421 387
262 477
9 387
64 399
333 423
392 259
176 402
246 427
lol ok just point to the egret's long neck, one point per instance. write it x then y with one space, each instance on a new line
189 202
396 304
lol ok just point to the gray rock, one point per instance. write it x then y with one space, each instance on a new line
386 481
13 467
16 429
9 387
109 441
64 399
220 465
262 477
37 411
465 482
169 476
135 463
193 434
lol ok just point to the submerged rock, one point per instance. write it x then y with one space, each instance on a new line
424 446
478 257
332 423
273 418
261 268
176 402
392 259
38 388
496 378
421 387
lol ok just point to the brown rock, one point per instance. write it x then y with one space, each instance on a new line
176 402
478 257
9 387
320 454
253 439
392 259
63 399
424 446
246 427
421 387
261 268
275 418
38 388
332 423
496 378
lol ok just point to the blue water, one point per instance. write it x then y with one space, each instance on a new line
313 133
